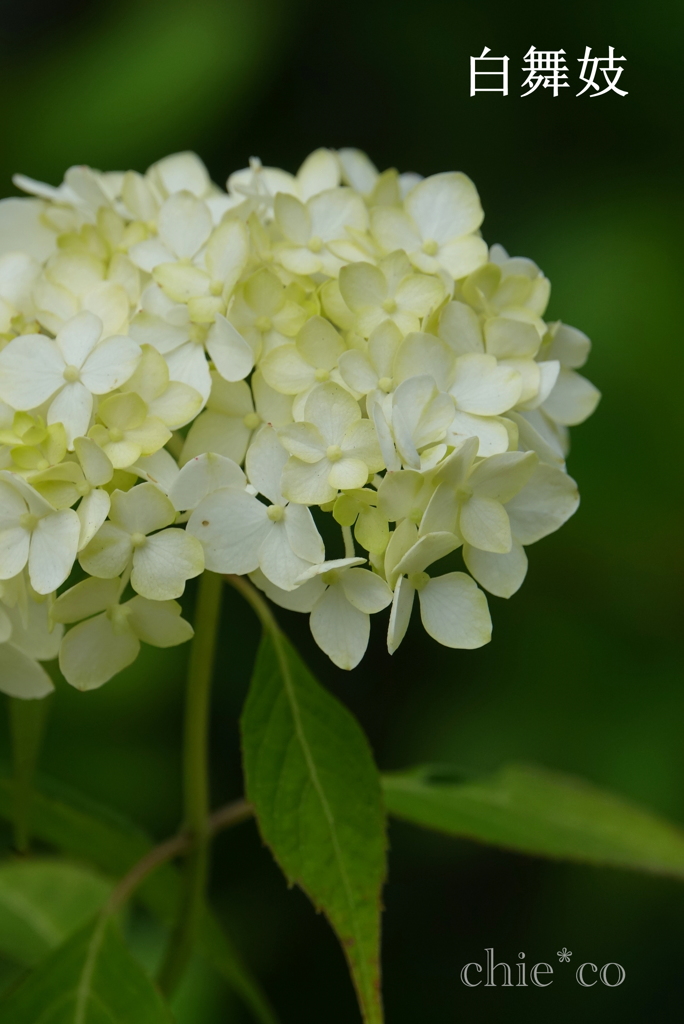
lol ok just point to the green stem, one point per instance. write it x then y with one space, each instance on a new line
27 725
254 598
196 781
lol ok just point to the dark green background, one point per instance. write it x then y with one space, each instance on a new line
582 673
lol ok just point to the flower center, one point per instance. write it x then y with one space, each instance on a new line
418 579
251 420
390 305
415 515
216 287
330 577
118 616
198 333
138 539
115 434
28 521
275 513
333 453
71 374
322 375
315 244
430 247
385 384
263 324
83 488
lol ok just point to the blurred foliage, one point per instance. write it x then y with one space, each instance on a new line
583 673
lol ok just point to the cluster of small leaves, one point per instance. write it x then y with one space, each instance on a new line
192 377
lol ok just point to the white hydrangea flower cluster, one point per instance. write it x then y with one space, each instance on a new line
193 378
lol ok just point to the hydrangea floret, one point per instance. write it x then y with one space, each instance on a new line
196 378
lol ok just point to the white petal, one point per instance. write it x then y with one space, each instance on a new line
490 431
400 616
214 432
427 549
569 345
92 512
54 544
394 229
484 524
21 676
14 551
330 564
358 170
304 538
22 227
158 622
231 526
188 364
445 206
459 327
548 501
278 561
300 600
339 629
87 598
32 631
201 476
320 171
265 462
365 590
357 371
110 364
511 339
164 563
572 400
502 476
227 253
78 338
306 483
233 356
181 172
292 218
73 407
335 210
150 254
142 509
333 410
483 387
96 467
92 652
184 224
501 575
108 553
454 611
31 370
160 469
535 434
362 286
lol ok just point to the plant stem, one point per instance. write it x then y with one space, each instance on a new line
254 598
27 725
225 817
195 781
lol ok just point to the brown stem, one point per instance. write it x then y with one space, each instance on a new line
224 817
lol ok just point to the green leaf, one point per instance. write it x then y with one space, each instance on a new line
538 812
42 903
80 826
92 979
27 724
311 778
